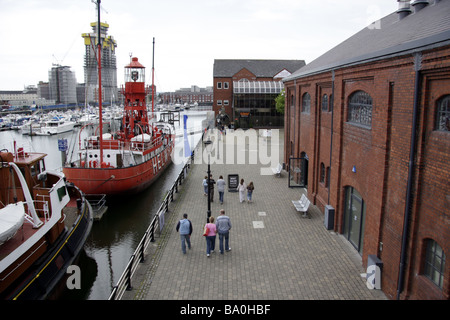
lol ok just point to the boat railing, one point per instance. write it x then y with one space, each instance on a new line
97 201
92 144
156 226
42 210
142 146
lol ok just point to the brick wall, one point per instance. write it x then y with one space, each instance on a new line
223 94
380 156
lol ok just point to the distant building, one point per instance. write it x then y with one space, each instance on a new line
367 134
62 85
109 65
43 90
194 94
19 98
245 90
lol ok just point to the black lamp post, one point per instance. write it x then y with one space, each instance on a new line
207 144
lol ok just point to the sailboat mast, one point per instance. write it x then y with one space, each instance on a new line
99 45
153 77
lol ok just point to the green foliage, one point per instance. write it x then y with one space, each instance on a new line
280 101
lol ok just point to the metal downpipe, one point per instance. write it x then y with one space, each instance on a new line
409 191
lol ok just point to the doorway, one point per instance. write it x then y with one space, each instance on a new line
298 171
354 218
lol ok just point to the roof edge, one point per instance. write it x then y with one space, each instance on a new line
434 41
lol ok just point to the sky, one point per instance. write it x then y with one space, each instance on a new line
189 34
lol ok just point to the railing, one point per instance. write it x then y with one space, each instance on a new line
157 223
97 201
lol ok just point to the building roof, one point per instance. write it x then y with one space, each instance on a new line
260 68
388 37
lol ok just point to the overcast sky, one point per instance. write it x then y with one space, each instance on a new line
189 34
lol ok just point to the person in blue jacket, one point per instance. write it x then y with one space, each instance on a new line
223 226
185 228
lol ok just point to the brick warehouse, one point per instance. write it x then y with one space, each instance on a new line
368 133
245 90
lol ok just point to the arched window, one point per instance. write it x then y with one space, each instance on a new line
434 263
322 173
324 103
306 103
360 109
443 114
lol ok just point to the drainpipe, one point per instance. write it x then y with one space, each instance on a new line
409 191
295 122
331 138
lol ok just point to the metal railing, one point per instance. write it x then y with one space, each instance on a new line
157 223
97 201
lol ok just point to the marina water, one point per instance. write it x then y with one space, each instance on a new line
114 238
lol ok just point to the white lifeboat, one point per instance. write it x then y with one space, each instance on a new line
141 138
11 219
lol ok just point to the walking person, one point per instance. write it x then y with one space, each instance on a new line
250 189
205 186
185 228
223 226
212 182
210 236
221 188
242 188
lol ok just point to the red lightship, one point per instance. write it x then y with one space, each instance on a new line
130 160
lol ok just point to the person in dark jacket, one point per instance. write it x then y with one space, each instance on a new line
212 182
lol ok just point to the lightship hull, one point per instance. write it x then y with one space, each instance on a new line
119 181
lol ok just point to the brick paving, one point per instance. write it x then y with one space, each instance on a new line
276 253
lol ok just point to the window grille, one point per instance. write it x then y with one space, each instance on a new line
325 103
322 173
360 109
443 114
434 263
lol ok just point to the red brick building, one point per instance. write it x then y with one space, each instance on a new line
367 132
245 90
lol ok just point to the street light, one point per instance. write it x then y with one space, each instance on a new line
208 144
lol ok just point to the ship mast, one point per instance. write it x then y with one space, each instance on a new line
153 77
99 63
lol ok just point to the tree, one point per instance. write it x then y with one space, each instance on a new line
279 102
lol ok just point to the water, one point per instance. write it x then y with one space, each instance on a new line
114 238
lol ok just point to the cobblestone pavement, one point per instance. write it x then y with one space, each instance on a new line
276 253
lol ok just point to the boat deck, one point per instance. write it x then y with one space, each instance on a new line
27 230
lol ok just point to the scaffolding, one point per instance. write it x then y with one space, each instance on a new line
109 66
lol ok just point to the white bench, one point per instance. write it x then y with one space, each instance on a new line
301 202
277 171
302 205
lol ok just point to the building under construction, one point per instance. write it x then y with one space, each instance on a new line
109 66
62 85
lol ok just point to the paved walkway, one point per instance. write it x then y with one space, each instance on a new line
276 254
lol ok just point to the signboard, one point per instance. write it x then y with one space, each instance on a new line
62 145
233 182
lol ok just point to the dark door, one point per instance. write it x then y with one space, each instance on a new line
354 218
